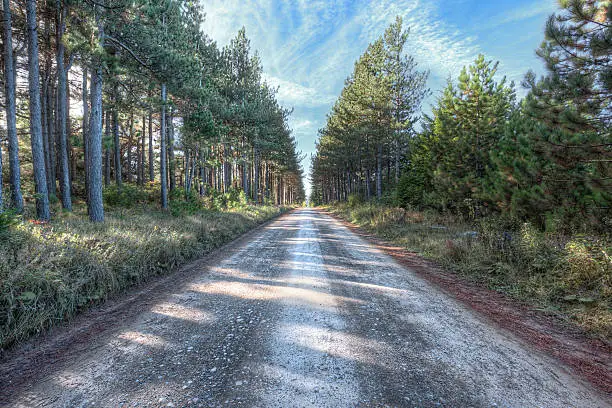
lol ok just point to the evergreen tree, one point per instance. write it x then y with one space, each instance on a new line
572 104
467 125
38 158
10 106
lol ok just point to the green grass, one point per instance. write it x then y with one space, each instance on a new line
570 276
49 272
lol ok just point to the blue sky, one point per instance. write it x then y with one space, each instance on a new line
308 47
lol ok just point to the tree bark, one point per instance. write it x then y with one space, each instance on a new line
117 143
141 155
171 159
85 103
397 161
162 155
107 153
38 158
130 143
50 126
95 205
61 109
11 120
379 172
151 162
256 175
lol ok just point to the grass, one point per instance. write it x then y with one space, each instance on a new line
570 276
49 272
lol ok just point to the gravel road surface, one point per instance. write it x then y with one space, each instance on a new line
300 313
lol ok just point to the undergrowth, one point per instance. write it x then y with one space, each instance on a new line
50 271
569 275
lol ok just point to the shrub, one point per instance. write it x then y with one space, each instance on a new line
8 219
354 200
128 196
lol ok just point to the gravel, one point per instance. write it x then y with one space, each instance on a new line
302 312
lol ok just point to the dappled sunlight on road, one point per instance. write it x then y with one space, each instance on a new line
182 312
336 343
269 292
145 339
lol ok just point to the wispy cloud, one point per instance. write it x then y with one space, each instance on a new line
292 94
526 12
308 47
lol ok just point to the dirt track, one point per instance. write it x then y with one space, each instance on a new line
302 312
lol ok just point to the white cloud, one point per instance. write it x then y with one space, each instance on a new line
294 94
308 47
525 12
302 124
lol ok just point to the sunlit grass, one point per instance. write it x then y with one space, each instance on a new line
570 276
49 272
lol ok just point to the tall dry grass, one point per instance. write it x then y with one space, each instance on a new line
570 276
48 272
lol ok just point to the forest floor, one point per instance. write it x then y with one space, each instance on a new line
302 311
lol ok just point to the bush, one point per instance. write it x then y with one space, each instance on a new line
8 219
128 196
234 198
354 200
182 203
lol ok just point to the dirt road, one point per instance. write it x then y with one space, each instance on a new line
300 313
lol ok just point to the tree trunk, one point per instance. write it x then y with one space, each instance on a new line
245 171
171 163
379 172
51 180
85 125
130 143
69 147
256 175
117 143
141 155
11 122
38 157
107 153
61 109
162 153
95 205
202 174
367 183
397 161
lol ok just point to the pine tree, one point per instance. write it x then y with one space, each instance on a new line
10 105
408 88
38 159
61 106
572 102
467 124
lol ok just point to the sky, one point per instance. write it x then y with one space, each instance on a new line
309 47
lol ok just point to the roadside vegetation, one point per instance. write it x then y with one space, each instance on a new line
133 144
514 193
50 271
566 275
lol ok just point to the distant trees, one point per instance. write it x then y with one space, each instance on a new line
365 139
158 98
547 158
